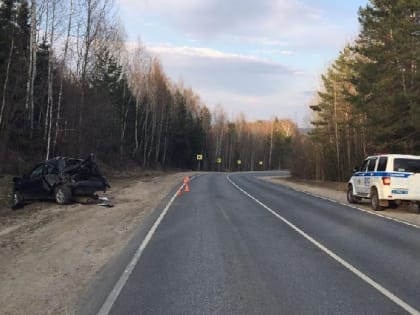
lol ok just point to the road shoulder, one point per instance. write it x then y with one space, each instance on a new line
50 254
336 192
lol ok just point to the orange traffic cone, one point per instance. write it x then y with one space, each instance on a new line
187 188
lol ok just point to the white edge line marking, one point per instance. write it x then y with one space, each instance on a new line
354 207
113 295
337 258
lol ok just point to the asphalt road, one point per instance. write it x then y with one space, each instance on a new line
240 245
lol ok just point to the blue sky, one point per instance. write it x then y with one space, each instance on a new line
260 57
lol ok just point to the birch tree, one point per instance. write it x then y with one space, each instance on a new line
62 70
95 14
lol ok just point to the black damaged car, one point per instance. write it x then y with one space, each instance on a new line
59 179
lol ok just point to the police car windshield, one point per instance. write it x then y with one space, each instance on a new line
407 165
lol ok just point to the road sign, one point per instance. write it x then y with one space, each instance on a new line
219 160
239 162
199 157
260 163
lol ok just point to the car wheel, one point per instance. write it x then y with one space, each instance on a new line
18 200
374 200
62 195
350 197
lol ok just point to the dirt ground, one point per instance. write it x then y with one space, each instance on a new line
337 192
50 253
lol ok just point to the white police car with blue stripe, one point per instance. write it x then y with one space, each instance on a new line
387 180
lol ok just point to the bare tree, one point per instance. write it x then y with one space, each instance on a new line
95 11
50 106
138 83
29 102
62 68
6 82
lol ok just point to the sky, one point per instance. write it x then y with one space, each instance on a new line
263 58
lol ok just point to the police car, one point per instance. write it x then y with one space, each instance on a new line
387 180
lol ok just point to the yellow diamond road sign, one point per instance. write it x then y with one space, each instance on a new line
199 157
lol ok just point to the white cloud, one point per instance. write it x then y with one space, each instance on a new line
290 104
203 52
286 52
263 40
257 87
274 52
263 19
209 68
193 52
255 33
295 24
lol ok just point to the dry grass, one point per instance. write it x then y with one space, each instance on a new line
339 186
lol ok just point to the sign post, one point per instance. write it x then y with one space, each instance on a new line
199 159
219 162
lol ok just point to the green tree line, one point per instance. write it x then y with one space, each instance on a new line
370 97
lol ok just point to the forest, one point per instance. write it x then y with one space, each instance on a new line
70 86
369 100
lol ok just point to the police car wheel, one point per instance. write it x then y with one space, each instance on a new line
374 200
350 196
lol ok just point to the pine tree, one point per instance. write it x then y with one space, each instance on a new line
14 37
387 78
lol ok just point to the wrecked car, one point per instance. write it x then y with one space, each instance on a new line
59 179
